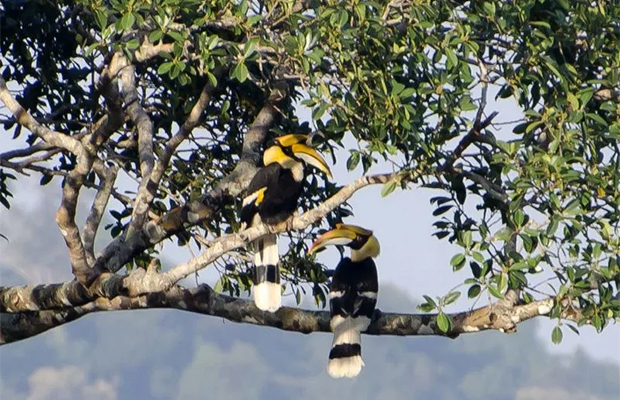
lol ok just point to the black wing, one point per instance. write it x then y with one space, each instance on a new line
260 181
262 178
354 288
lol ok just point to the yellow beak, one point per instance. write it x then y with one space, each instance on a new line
342 236
291 139
311 157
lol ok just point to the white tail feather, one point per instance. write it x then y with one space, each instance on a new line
348 367
347 331
267 295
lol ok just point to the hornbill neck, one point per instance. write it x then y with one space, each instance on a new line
296 168
370 249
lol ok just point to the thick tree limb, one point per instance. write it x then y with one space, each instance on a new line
204 300
65 218
144 125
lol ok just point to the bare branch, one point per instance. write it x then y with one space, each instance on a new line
26 120
28 151
144 125
65 216
108 177
203 300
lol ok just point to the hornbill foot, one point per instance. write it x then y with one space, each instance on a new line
376 315
283 226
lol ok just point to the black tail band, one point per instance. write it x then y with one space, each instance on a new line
345 350
266 273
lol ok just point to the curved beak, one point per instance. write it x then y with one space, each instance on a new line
340 236
311 157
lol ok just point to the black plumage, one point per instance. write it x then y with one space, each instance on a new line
350 280
280 197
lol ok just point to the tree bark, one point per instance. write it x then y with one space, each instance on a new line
503 315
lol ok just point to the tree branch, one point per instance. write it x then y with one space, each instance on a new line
65 218
113 120
144 125
26 120
107 177
203 300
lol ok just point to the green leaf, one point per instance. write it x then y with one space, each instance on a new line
5 202
132 44
442 209
452 297
533 125
452 59
597 118
353 161
473 291
408 92
219 286
127 21
388 187
164 68
556 335
241 72
502 284
430 301
177 36
457 262
45 179
318 112
493 290
443 322
212 79
467 239
572 100
155 36
489 8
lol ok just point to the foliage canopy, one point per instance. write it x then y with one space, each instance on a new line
409 81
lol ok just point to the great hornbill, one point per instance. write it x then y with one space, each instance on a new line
352 296
272 197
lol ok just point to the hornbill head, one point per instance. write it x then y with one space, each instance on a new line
360 240
293 148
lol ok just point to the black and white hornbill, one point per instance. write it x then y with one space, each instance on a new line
352 296
272 197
